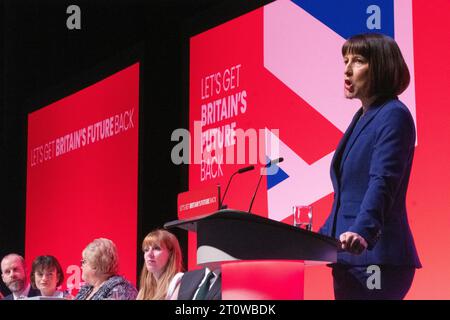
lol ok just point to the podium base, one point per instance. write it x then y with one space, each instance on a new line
263 280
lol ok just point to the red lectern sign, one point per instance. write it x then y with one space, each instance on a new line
198 202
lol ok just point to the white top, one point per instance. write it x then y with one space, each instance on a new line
58 294
173 286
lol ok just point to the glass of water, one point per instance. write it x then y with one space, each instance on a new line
303 216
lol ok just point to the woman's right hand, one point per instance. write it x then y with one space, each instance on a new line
353 242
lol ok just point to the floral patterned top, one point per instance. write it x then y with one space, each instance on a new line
115 288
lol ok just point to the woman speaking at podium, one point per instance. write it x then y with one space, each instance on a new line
370 173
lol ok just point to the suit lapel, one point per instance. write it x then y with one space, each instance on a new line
189 284
342 143
365 120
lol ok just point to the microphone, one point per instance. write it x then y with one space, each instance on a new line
245 169
268 165
241 170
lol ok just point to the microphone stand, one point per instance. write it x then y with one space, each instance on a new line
241 170
268 165
226 189
254 195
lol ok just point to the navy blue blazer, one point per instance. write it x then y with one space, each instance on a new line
370 173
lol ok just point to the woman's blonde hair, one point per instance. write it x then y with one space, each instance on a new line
150 287
102 256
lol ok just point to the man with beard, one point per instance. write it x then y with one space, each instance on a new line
15 278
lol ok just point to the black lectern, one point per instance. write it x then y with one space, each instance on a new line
229 235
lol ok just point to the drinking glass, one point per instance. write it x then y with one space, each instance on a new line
303 216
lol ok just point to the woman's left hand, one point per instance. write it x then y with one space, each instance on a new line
353 242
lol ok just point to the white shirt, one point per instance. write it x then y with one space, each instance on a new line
173 285
213 280
23 294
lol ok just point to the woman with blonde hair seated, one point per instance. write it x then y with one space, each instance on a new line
163 263
100 265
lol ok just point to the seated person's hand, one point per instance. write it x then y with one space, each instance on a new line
353 242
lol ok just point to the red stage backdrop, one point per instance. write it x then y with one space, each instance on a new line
82 174
280 68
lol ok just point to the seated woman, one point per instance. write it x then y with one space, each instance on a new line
163 263
100 265
47 276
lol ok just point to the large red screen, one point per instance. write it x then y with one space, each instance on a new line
82 172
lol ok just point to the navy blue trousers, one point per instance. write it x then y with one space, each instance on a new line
350 282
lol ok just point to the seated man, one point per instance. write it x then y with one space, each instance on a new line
202 284
15 278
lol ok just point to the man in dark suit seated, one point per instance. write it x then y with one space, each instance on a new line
14 276
202 284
